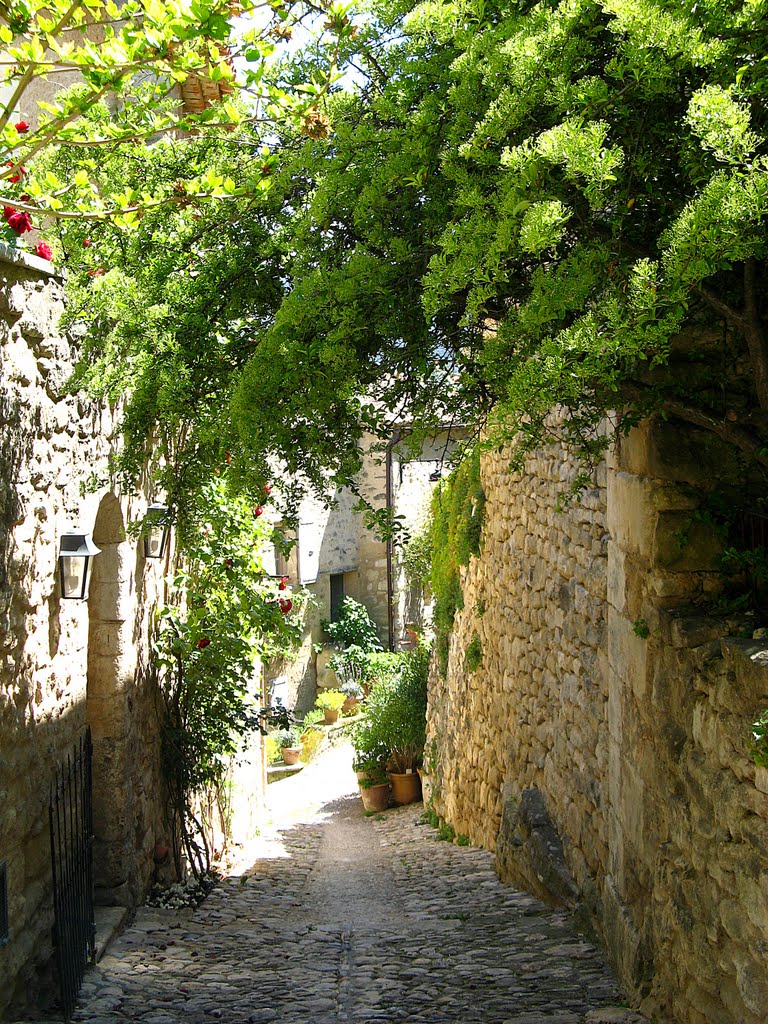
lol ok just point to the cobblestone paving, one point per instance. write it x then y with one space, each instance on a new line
355 920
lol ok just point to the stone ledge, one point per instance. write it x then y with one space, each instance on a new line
23 258
280 770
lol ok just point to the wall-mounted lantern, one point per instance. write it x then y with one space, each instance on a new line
76 549
157 529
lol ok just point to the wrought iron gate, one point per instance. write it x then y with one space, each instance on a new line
71 818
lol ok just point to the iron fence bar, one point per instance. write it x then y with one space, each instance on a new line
71 824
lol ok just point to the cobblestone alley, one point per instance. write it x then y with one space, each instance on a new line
344 918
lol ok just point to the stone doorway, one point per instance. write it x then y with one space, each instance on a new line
111 682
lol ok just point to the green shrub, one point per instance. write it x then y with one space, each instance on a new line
473 657
312 718
376 775
759 749
394 728
416 557
382 666
353 628
446 832
350 667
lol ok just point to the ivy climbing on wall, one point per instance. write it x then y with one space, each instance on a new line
458 510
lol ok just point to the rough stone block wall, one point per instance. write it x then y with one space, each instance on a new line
686 902
534 714
65 663
602 746
685 908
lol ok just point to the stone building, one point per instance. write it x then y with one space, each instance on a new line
601 748
66 664
336 555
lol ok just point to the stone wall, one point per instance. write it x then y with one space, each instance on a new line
534 714
601 747
65 663
685 901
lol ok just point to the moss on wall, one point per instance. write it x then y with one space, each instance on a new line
458 508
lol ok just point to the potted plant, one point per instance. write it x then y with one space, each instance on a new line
397 710
290 745
374 788
369 764
354 694
330 702
349 666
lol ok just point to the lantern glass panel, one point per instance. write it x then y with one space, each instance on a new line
156 530
73 570
153 543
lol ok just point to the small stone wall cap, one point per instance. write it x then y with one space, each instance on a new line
615 1015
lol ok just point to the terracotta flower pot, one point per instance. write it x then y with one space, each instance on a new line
349 705
406 789
375 798
331 715
291 755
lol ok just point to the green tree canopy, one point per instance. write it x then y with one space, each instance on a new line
94 77
521 205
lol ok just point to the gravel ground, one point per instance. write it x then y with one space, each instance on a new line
341 919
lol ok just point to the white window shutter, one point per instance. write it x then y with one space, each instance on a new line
309 553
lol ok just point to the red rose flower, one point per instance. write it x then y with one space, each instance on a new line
44 251
285 605
21 127
267 490
96 273
258 511
18 220
87 243
18 176
202 643
283 583
228 458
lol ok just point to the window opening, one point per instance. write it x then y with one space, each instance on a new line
337 595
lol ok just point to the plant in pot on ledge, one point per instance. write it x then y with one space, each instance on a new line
330 703
397 714
290 745
349 666
369 764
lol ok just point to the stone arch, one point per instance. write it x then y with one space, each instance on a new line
109 699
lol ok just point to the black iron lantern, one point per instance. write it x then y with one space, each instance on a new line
157 529
76 550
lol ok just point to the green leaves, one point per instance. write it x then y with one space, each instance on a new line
543 226
173 60
501 210
722 123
